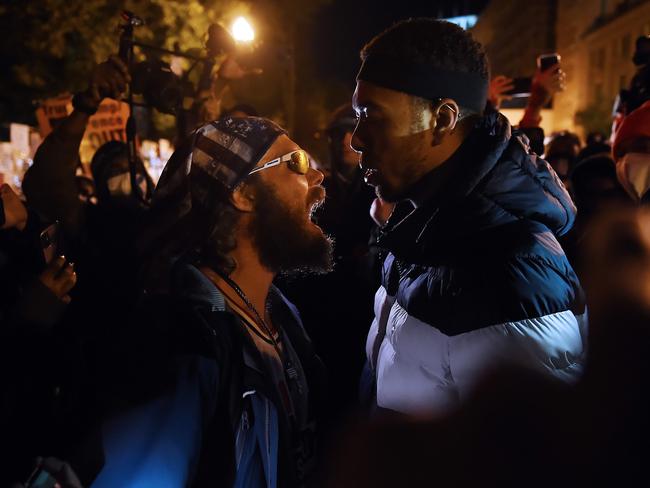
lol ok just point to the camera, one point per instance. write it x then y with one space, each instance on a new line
154 79
158 85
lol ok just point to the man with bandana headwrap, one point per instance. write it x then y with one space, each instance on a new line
475 276
230 382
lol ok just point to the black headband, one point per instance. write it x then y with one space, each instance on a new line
469 90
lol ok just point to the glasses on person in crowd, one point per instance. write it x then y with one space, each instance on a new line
297 161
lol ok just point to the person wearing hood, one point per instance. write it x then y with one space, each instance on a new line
50 185
100 240
97 237
475 277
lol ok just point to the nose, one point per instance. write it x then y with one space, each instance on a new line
314 177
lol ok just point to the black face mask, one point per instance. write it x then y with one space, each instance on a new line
115 193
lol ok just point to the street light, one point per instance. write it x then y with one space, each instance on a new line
242 30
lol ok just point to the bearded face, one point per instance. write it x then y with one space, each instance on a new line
284 235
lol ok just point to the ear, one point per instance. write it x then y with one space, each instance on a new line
444 118
243 198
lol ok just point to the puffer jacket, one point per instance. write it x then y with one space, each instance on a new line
475 278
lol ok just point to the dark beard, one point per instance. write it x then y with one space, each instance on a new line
284 240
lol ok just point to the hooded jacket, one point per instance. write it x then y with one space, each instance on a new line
475 277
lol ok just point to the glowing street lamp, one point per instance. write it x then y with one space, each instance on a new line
242 30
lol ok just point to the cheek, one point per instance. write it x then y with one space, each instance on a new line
372 134
294 192
405 153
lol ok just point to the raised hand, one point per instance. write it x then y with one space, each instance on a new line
15 213
499 85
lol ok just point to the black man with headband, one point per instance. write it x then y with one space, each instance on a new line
474 277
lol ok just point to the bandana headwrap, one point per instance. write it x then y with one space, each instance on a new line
204 170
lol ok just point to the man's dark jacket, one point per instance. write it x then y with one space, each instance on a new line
475 277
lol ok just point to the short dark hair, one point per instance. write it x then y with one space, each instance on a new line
436 43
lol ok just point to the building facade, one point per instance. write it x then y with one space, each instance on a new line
596 39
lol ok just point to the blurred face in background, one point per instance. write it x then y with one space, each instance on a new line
561 154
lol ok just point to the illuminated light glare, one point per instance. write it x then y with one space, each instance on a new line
242 30
464 21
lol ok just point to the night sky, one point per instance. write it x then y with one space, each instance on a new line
344 26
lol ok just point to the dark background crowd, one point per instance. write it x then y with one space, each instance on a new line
76 347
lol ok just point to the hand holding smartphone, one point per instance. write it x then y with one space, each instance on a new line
547 61
59 275
550 76
52 473
41 479
51 242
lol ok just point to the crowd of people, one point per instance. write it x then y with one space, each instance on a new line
451 301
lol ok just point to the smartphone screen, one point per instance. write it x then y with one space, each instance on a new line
521 87
51 242
41 479
545 61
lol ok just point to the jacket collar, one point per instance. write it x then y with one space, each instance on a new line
491 180
460 174
407 234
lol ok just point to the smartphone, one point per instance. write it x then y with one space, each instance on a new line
41 479
545 61
521 87
51 242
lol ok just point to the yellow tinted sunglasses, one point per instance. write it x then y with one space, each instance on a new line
298 161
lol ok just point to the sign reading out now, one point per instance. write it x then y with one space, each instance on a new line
108 124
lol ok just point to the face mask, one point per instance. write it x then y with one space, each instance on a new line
120 185
633 171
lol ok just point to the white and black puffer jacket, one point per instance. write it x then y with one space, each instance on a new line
475 278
